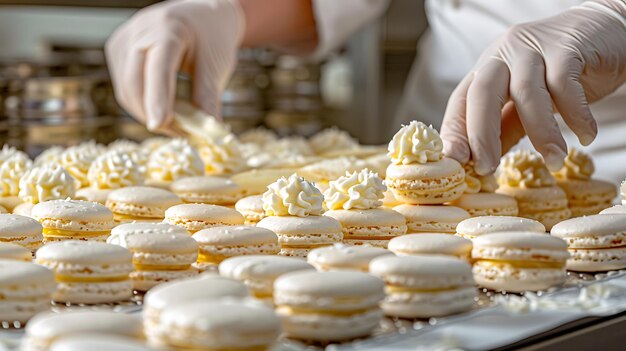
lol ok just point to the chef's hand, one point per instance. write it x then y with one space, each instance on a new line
569 61
198 37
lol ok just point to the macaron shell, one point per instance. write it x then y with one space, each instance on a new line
141 201
477 226
94 195
46 327
431 243
235 236
520 246
84 253
158 243
427 305
365 226
513 279
98 343
73 215
145 280
148 228
251 208
207 189
329 290
93 293
547 205
596 231
590 260
443 219
261 267
199 216
220 325
338 257
617 209
11 251
487 204
298 235
588 197
21 230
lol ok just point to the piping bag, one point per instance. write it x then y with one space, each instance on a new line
196 124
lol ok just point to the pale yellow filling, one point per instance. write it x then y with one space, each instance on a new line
215 259
294 311
70 279
63 233
124 217
520 264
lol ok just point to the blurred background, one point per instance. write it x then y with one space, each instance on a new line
55 90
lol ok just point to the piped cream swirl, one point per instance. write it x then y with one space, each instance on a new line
577 165
292 196
358 190
524 168
46 182
222 156
415 143
114 170
11 170
174 160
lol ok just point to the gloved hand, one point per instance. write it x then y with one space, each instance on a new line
198 37
569 60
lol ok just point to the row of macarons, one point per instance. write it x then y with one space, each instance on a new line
507 253
339 301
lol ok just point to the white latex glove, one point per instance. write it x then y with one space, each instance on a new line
198 37
568 61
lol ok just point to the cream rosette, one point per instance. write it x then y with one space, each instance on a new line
114 170
524 168
222 156
362 190
11 171
46 182
577 165
415 143
332 139
175 160
293 196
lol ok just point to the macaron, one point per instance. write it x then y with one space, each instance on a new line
425 286
523 175
219 325
519 261
24 209
345 257
595 243
585 195
219 243
140 203
259 272
47 328
427 184
88 272
96 342
487 204
10 251
354 200
26 290
328 306
157 257
373 227
3 210
167 295
208 190
431 244
431 219
251 207
477 226
20 230
195 217
73 220
419 174
617 209
299 235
